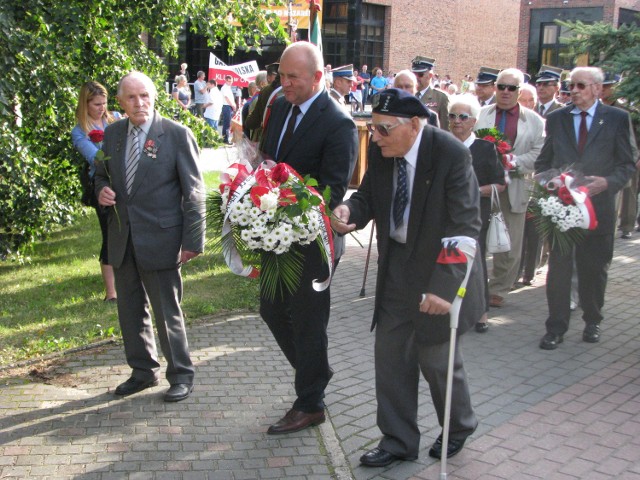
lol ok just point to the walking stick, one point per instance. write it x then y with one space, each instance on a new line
468 247
366 265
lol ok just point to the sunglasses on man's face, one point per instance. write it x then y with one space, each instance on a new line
502 87
463 117
579 85
381 128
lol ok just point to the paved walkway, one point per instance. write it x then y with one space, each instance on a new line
573 413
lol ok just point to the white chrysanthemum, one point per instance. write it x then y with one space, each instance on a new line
269 201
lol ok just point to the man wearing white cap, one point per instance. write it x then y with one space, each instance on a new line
342 80
547 86
486 85
436 100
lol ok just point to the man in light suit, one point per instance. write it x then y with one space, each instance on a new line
436 100
606 160
312 133
155 192
525 131
412 332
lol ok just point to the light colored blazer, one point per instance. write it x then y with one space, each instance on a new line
164 213
526 149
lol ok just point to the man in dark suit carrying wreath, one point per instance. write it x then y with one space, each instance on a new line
312 133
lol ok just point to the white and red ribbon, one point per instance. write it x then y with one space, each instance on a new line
578 196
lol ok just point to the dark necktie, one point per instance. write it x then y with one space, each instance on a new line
503 121
541 110
582 132
131 165
402 194
291 126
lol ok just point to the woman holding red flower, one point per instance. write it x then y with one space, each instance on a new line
93 117
463 114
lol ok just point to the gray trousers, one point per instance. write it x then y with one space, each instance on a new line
399 361
162 290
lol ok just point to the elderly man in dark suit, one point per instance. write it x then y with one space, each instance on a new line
419 188
595 140
155 192
312 133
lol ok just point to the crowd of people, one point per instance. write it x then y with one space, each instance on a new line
428 187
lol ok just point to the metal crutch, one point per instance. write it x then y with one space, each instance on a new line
366 265
468 247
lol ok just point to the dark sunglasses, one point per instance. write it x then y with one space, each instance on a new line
420 74
381 128
511 88
463 117
580 85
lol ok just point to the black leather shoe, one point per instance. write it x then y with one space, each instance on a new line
133 385
482 327
296 420
378 457
550 341
178 391
453 447
626 235
591 333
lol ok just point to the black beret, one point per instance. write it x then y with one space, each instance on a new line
398 103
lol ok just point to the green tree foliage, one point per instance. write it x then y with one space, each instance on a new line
614 49
48 50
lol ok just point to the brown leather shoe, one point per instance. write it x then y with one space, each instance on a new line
495 300
295 420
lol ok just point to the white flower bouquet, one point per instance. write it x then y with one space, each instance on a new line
561 207
259 217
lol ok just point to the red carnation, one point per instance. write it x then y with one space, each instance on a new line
503 147
280 173
96 136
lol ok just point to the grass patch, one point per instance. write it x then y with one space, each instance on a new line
54 301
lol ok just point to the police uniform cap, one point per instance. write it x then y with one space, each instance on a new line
422 64
564 87
611 78
345 71
549 74
398 103
272 69
487 75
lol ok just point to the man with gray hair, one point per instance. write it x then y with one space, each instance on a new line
155 195
524 130
596 139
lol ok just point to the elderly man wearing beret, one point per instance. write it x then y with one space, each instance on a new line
420 189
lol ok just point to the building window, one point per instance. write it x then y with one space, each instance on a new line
553 50
353 32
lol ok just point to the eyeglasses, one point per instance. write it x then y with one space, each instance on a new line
381 128
580 85
420 74
512 88
463 117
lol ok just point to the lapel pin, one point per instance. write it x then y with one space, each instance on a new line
601 122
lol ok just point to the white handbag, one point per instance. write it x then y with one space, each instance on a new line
498 239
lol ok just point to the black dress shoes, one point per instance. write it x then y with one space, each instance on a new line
133 385
295 420
178 391
482 327
379 457
591 333
453 447
550 341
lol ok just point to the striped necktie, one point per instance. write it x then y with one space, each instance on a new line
131 165
401 197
